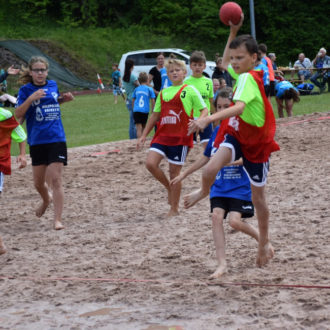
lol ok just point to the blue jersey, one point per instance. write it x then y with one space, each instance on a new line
115 77
43 117
166 82
281 87
264 68
142 95
231 181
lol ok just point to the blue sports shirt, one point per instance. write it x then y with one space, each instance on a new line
142 95
166 82
231 181
43 118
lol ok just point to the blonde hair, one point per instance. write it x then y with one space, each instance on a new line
176 62
25 76
143 77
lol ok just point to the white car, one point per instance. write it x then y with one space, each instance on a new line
144 60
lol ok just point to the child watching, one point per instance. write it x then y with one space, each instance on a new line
116 83
230 193
140 103
173 109
9 130
247 130
204 86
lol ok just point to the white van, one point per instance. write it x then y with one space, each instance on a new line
144 60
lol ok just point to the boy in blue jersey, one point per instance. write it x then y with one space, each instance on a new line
204 86
116 83
230 194
141 103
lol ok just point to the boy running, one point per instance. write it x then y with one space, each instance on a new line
173 109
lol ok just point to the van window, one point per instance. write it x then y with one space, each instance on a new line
137 58
150 58
177 56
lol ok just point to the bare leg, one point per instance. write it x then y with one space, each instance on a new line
175 190
2 247
216 163
219 242
54 172
279 107
265 249
288 107
235 221
39 178
138 130
116 99
152 165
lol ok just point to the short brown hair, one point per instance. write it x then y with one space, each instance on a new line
198 56
143 77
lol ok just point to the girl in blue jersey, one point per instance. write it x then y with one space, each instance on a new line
38 103
287 93
230 194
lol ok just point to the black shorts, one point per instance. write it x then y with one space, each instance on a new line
140 117
232 204
45 154
272 88
267 90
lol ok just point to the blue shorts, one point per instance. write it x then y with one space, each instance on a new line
2 178
257 172
174 154
205 135
116 90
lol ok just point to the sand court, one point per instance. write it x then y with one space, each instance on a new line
119 264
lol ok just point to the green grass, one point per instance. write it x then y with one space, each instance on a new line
94 119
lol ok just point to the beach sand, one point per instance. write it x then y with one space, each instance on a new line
120 264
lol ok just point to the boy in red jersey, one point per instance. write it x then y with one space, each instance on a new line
247 131
173 109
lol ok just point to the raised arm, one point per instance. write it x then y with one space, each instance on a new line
232 35
21 110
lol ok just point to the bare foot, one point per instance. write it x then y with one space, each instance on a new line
193 198
222 269
43 207
172 213
2 247
265 253
58 225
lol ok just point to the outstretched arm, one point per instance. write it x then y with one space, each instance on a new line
201 123
196 165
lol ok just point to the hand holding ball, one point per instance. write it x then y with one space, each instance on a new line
230 11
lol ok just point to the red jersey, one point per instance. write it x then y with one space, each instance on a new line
172 127
6 127
257 143
270 68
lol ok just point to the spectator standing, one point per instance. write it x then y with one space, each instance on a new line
266 60
221 72
154 73
130 82
116 82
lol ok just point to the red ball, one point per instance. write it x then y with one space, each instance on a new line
230 11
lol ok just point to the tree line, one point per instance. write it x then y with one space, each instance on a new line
287 27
